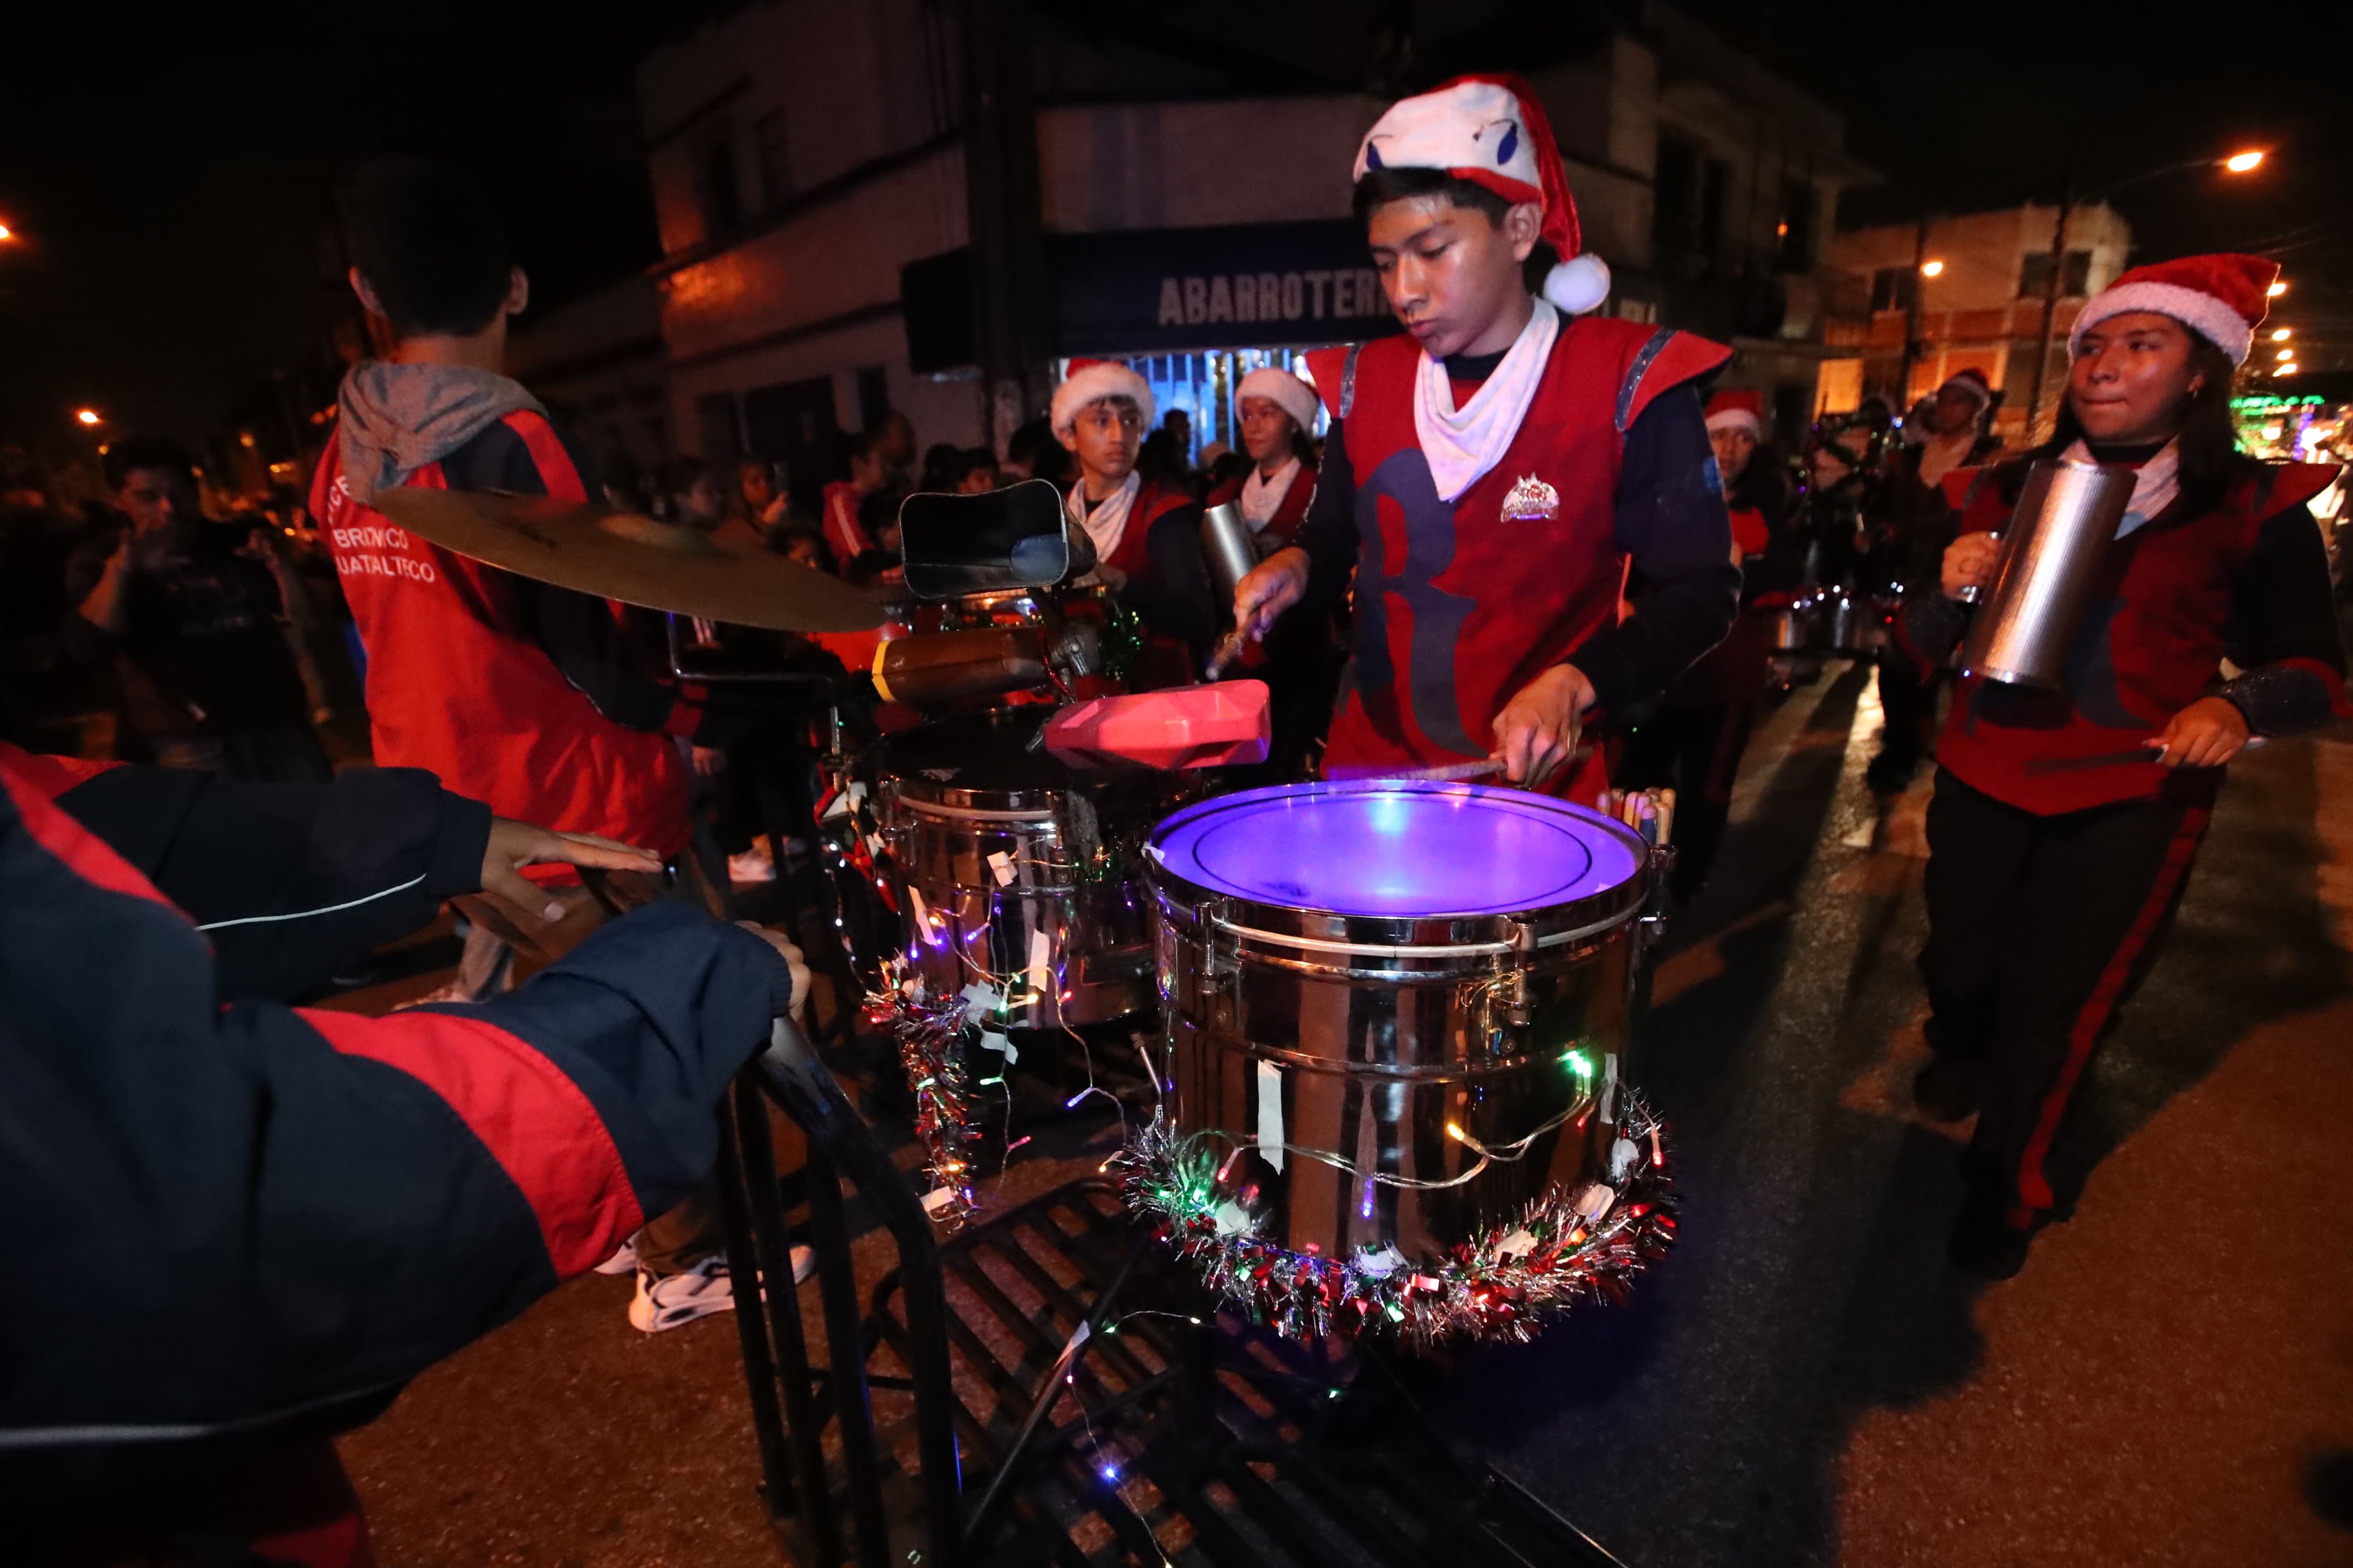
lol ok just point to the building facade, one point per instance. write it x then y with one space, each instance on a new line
600 363
1983 306
809 173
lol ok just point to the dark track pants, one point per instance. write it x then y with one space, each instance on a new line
1695 750
2038 929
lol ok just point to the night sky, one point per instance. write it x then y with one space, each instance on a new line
169 166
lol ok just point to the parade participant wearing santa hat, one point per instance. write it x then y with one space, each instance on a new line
1694 741
1274 410
1907 523
1146 536
1496 466
2064 822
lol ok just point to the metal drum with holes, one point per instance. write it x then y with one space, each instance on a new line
1022 870
1373 987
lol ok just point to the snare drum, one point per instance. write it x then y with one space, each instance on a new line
1021 870
1373 987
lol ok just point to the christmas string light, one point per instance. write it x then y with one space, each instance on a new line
1564 1248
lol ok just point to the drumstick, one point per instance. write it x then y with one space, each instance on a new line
1446 773
2146 751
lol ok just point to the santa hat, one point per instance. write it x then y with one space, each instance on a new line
1092 380
1972 381
1491 131
1283 389
2220 298
1737 410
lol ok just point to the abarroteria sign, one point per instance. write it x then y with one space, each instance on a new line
1167 290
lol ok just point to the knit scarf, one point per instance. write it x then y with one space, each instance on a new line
1463 444
2155 483
1262 494
1107 524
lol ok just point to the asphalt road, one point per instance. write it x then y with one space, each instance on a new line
2169 1380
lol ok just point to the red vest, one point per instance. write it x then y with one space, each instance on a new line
1164 661
455 687
2150 640
1459 607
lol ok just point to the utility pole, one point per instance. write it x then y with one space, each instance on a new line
1004 212
1917 281
2050 307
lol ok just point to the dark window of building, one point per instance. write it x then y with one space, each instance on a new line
792 423
1895 289
776 163
1796 226
1716 176
716 191
723 437
1675 194
873 397
2035 275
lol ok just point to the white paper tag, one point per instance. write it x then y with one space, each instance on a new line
1609 1088
875 846
990 1040
1001 865
841 807
938 1198
981 1000
1041 962
1622 1156
1269 1113
925 925
1594 1201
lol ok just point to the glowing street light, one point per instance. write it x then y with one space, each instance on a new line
2289 369
2241 162
7 233
1931 269
88 416
2281 334
2277 288
2286 355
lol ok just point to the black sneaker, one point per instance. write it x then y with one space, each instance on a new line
1987 1245
1889 774
1949 1088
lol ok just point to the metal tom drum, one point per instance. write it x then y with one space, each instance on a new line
1401 1005
1021 867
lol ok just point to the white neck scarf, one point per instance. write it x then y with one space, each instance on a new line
1262 494
2155 483
1463 444
1107 524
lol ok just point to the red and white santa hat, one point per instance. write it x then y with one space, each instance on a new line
1736 409
1972 381
2223 299
1092 380
1491 131
1283 389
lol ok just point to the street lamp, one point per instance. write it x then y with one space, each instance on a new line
7 233
2285 354
2278 288
88 416
2281 334
2289 369
2236 163
1931 269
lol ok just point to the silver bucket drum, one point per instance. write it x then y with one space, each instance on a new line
1395 1010
1020 871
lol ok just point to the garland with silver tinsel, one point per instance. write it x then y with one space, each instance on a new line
932 1037
1564 1248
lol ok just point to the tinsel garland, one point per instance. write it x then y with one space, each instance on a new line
931 1039
1499 1288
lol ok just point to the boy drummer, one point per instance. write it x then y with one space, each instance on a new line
1498 467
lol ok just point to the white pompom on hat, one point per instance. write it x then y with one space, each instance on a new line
2223 299
1283 389
1092 380
1492 131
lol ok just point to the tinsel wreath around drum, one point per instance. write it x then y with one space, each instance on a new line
1395 1015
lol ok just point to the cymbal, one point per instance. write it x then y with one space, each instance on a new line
594 549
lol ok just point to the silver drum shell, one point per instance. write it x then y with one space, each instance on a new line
1098 926
1374 1034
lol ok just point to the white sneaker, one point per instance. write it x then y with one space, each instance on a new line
622 1261
676 1300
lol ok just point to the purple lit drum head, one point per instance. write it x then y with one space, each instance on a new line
1413 851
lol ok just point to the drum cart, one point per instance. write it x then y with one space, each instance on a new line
1042 1389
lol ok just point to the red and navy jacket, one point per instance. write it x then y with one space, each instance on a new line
1459 607
1160 552
533 699
2246 581
264 1209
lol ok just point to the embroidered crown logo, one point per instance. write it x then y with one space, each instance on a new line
1531 501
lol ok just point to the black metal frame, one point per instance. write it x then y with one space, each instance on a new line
1257 1451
